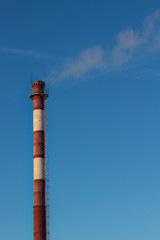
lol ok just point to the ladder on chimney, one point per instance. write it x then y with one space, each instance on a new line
46 172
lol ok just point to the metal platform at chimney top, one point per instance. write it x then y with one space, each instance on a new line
32 93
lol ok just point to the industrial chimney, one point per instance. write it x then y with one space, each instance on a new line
39 94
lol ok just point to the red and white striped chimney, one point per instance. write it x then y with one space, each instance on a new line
38 95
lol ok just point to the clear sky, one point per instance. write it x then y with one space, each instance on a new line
102 60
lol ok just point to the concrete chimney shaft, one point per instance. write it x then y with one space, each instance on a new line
38 96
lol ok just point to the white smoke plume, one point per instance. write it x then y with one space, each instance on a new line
128 42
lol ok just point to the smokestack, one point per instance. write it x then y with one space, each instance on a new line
38 95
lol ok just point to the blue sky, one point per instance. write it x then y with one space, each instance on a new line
102 60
